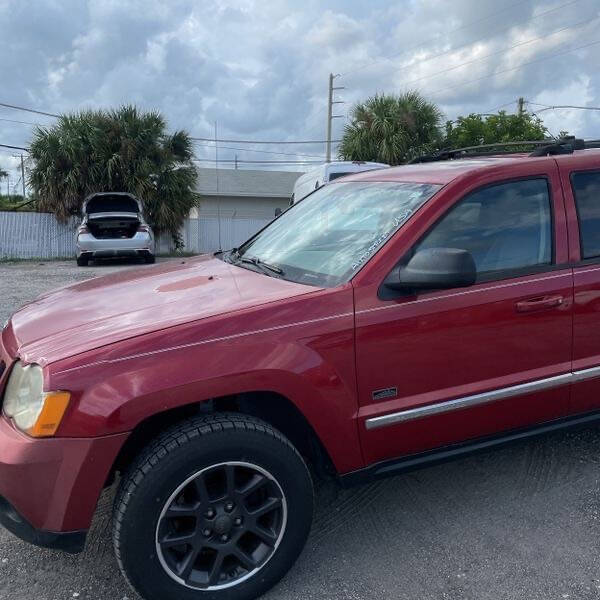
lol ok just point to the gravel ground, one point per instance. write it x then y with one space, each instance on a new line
518 523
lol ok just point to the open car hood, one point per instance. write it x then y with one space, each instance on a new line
111 202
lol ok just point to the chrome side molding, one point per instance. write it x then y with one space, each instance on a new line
483 398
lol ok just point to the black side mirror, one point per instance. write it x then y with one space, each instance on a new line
435 268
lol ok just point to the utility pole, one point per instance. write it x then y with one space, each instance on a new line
22 172
520 106
23 176
330 115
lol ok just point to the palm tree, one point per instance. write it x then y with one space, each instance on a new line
118 150
392 129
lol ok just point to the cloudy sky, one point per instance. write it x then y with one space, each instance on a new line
259 69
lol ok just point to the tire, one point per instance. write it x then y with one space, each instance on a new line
150 259
82 261
186 469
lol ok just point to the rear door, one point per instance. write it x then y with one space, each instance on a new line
440 367
581 183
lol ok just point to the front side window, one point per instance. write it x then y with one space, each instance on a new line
505 227
586 188
326 238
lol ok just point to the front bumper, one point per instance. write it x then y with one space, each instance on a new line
72 542
50 487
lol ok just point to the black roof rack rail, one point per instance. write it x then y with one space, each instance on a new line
472 151
591 143
547 147
566 145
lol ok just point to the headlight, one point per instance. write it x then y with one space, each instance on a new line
32 410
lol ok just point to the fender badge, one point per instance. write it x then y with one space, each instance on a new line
390 392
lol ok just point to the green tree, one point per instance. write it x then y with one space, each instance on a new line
5 202
392 129
118 150
12 203
491 129
3 175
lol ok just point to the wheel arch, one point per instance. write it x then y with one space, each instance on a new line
272 407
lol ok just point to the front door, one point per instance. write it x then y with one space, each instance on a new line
439 367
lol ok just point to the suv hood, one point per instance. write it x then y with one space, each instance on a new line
108 309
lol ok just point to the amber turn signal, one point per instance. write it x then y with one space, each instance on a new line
53 410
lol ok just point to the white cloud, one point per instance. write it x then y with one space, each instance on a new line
260 69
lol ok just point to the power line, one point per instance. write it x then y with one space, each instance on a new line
263 142
433 39
48 114
531 62
20 122
30 110
503 50
211 160
262 162
261 151
548 107
14 147
463 46
318 114
192 138
493 110
16 107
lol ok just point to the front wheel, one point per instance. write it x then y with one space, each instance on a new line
218 508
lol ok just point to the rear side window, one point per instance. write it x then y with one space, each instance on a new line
333 176
505 227
586 189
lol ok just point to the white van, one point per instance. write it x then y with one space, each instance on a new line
326 173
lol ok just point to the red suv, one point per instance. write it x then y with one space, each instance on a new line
389 320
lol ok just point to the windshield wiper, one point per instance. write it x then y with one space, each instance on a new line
252 260
230 256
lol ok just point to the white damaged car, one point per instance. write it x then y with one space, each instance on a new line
113 226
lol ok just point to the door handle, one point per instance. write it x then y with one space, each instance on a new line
538 303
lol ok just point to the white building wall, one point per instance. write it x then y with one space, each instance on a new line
239 207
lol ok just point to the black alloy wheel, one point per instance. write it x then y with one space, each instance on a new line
221 525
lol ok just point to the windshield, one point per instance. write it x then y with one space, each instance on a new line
324 239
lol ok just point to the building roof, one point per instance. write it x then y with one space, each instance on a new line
245 182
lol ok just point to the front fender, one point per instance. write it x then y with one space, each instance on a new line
311 363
